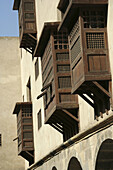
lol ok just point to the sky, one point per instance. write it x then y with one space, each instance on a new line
8 19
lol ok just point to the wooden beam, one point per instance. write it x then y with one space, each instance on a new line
33 37
42 94
102 89
29 154
15 138
69 114
47 86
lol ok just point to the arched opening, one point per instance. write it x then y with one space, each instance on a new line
74 164
105 156
54 168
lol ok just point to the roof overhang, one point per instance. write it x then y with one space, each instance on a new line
18 106
16 4
45 35
71 10
62 5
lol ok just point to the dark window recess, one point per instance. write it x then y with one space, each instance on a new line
29 90
39 117
0 140
36 69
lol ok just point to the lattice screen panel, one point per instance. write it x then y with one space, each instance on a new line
63 68
62 56
95 40
28 6
76 49
61 40
66 97
64 82
94 17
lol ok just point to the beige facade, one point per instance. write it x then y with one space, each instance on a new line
10 90
50 152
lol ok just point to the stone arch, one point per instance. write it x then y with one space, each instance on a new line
101 137
104 158
54 168
74 164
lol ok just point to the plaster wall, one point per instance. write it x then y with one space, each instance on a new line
110 36
46 11
86 151
46 138
10 92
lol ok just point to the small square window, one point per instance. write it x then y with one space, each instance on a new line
39 119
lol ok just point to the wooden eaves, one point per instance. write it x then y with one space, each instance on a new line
16 4
48 27
62 5
18 105
71 10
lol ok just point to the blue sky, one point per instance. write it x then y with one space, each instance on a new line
8 19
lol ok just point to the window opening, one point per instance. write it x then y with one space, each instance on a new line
39 119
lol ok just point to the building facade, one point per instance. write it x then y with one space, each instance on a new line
65 119
10 90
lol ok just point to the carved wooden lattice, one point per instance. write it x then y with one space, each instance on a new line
94 17
95 40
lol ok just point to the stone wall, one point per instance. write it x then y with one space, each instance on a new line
10 93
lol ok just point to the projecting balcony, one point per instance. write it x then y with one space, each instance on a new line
23 111
61 107
88 48
27 23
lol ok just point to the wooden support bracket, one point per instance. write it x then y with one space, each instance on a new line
87 100
42 94
29 154
101 88
32 37
47 86
69 114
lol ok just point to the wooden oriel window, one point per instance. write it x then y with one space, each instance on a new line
27 23
60 105
25 130
88 48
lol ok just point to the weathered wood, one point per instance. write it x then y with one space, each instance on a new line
102 89
24 129
27 23
42 94
69 114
